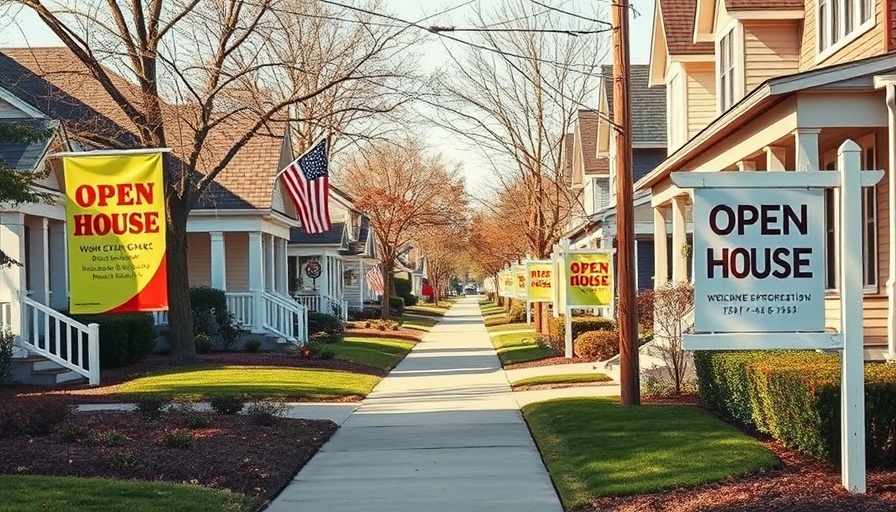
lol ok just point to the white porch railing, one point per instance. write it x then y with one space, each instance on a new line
241 305
160 317
61 339
311 302
284 317
324 304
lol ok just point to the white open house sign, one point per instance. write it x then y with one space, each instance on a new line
759 273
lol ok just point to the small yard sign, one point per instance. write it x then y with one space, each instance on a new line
538 281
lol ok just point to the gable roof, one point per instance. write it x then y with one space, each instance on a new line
677 18
26 156
648 104
335 236
586 135
55 82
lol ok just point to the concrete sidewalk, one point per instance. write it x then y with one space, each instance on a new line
442 432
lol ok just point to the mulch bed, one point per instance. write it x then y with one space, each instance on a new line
112 379
551 361
231 452
401 334
800 484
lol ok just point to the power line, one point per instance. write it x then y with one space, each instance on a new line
574 33
574 15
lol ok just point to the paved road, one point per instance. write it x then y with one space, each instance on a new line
442 432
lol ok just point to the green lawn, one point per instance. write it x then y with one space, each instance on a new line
65 494
493 314
594 447
521 326
382 353
418 322
519 347
257 381
428 309
567 378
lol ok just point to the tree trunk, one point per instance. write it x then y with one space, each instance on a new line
180 313
385 314
537 317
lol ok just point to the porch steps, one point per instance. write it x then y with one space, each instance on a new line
40 371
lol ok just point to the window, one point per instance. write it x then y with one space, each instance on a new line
869 228
840 21
726 71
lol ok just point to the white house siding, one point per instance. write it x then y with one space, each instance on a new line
772 49
352 292
199 259
7 111
701 101
236 246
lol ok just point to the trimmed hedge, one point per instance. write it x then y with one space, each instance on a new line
396 304
795 397
517 312
209 306
596 345
326 323
580 325
124 338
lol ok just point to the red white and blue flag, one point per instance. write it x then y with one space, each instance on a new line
375 279
307 180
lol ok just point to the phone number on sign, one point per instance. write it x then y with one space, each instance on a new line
759 310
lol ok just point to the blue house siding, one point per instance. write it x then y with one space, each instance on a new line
645 264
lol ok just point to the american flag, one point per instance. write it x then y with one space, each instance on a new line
308 183
375 278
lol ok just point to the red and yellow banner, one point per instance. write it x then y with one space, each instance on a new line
589 279
115 229
538 281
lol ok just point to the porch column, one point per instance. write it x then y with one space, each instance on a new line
256 278
679 239
775 156
280 274
807 149
219 260
38 264
660 249
58 266
324 286
891 209
744 166
12 242
269 263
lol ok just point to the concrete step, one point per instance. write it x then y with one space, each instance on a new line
40 371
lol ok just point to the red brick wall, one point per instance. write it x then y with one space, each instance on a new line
890 16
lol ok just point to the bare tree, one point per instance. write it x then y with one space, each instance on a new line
671 305
202 77
446 250
514 96
403 191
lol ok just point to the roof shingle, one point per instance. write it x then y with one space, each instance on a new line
764 5
55 82
678 24
648 104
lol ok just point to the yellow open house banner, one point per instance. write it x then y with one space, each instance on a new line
505 278
115 230
589 279
538 281
519 282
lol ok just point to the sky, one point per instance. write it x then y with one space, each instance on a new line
28 30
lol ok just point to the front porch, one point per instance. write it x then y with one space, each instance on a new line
794 124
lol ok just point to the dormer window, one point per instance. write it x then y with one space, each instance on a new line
726 62
841 21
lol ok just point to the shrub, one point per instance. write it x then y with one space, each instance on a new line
596 345
323 322
124 338
229 331
180 439
517 312
403 288
368 312
151 407
227 404
580 325
795 397
75 433
121 459
209 307
410 300
197 420
34 418
108 438
396 304
7 342
253 345
644 304
265 413
327 353
203 343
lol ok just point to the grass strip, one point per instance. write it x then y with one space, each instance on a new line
418 322
563 378
519 326
383 353
256 381
519 347
68 494
594 447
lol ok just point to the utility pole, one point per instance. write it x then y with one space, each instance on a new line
625 226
